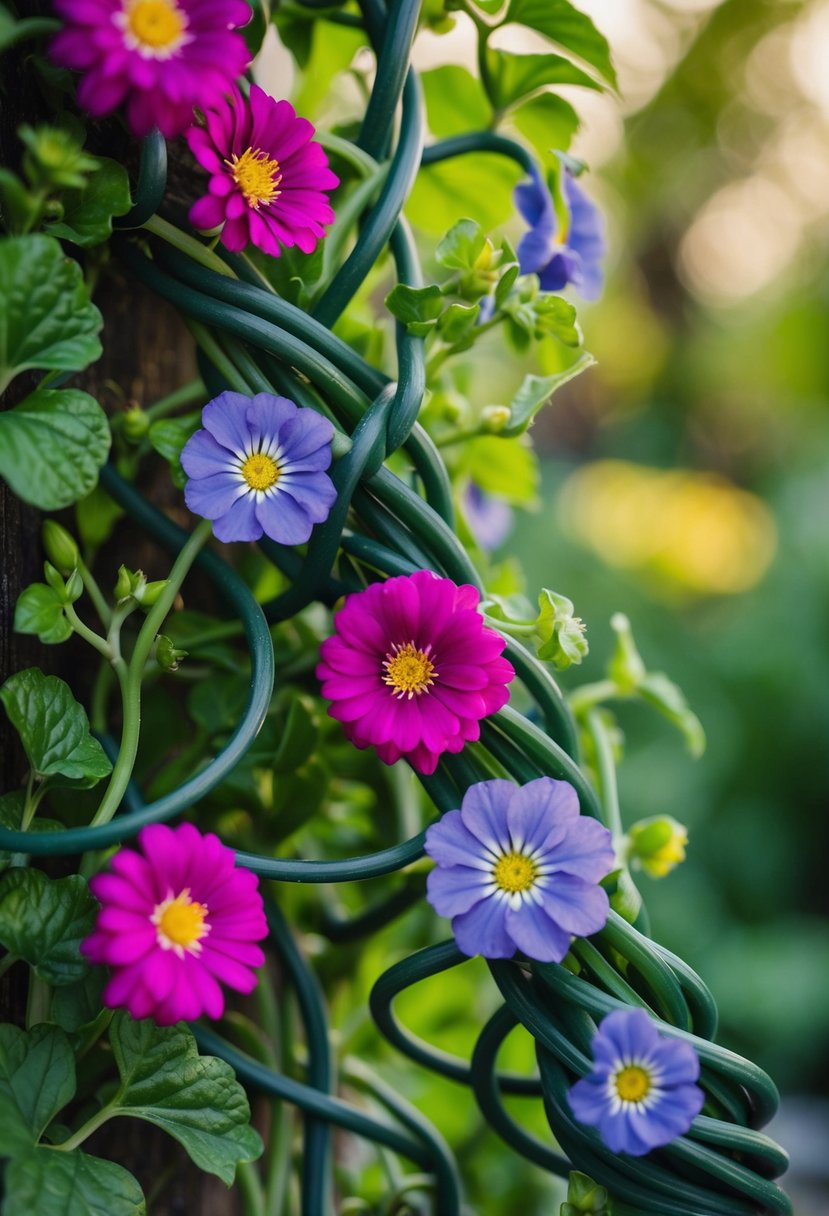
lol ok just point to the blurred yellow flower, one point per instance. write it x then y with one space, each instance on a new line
657 845
695 531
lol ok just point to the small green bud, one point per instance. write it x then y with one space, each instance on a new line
494 418
73 589
562 634
54 158
126 583
585 1195
626 668
149 593
657 845
59 546
53 577
167 655
135 423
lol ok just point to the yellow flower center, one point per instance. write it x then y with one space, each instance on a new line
257 176
409 671
260 471
632 1083
514 872
156 26
180 923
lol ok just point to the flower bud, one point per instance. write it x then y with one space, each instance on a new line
59 546
585 1195
73 590
657 845
149 593
127 583
494 418
167 655
135 423
561 633
626 668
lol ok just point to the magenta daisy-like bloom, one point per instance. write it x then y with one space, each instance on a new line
268 178
518 869
411 669
177 920
258 466
161 57
641 1092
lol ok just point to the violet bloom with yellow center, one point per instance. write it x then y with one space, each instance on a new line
268 177
641 1093
177 921
160 57
518 869
411 669
258 467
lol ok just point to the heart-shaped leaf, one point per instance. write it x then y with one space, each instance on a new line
53 727
44 920
50 1183
52 446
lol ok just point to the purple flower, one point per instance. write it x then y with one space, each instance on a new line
490 519
571 255
258 466
412 669
268 178
160 56
641 1092
518 868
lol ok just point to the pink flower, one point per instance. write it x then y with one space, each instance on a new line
412 668
160 56
176 920
267 176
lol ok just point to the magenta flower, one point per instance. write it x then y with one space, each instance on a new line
518 869
412 669
177 919
258 466
268 178
160 56
641 1092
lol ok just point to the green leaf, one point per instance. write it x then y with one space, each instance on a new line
535 392
53 728
88 212
559 21
416 307
12 30
298 738
78 1004
51 1183
96 516
463 243
37 1075
196 1099
18 205
517 76
457 324
548 122
169 435
480 184
46 317
52 446
39 610
455 101
44 920
503 467
331 51
216 704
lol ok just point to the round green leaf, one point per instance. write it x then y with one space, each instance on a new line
88 213
52 446
53 727
196 1099
39 610
44 920
37 1076
50 1183
46 317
